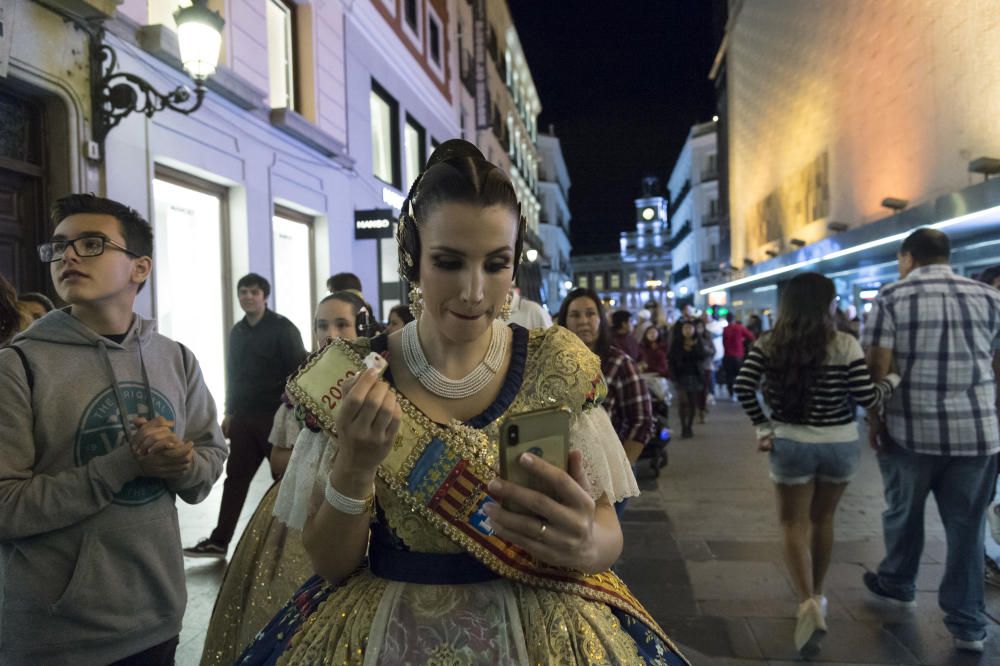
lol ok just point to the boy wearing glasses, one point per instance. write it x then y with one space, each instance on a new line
102 423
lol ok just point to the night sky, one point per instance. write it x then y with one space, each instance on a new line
622 87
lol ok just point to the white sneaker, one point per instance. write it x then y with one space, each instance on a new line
993 517
976 646
824 605
810 628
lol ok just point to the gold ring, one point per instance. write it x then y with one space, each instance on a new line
541 531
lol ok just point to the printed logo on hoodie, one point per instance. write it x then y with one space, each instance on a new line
100 432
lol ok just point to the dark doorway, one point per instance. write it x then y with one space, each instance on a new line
22 185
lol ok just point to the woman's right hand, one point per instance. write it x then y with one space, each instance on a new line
368 422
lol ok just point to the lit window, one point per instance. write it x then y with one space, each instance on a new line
616 280
633 280
385 138
293 269
280 58
598 282
183 210
414 145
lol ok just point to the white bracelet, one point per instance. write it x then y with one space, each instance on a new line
345 504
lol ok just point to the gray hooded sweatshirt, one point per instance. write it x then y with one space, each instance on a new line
91 569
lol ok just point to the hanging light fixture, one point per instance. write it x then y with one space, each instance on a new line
117 94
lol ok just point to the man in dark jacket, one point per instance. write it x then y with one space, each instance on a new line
264 349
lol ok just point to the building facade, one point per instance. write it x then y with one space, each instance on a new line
318 113
554 220
641 271
694 215
499 107
872 120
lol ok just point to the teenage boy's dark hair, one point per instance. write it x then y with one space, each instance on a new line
343 282
927 246
619 318
255 280
135 229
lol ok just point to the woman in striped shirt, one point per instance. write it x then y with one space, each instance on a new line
808 372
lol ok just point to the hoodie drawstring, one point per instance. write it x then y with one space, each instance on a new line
122 409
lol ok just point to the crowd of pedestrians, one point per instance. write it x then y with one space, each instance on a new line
104 423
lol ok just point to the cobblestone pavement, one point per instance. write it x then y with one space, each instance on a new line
702 551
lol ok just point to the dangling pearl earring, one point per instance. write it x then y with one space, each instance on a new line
505 309
416 301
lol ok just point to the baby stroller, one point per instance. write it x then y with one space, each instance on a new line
655 450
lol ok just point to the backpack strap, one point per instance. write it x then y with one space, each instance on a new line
185 352
29 375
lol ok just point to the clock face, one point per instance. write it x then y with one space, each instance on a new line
648 213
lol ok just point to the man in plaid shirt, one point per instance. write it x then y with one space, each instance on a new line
939 433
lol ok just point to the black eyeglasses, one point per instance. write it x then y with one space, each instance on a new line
84 246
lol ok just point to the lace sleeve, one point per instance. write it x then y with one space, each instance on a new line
301 490
285 429
604 460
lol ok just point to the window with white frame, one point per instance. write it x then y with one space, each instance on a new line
412 20
385 137
281 53
414 146
616 280
435 42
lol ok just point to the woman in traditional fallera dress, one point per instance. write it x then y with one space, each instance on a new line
406 470
270 562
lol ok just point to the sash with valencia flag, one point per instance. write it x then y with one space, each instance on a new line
441 473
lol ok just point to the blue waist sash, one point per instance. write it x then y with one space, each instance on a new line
386 560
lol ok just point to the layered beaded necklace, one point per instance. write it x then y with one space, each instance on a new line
454 389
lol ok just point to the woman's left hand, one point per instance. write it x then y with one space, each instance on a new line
559 529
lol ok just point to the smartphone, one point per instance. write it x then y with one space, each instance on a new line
543 433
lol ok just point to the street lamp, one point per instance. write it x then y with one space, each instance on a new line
531 254
117 94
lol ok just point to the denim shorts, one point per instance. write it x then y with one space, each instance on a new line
794 463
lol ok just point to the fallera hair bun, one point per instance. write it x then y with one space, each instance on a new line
454 149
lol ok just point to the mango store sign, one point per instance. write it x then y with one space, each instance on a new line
376 223
6 33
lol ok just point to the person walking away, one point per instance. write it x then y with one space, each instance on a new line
939 434
103 423
810 374
734 338
264 348
621 333
685 357
707 365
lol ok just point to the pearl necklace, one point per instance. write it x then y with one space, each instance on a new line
454 389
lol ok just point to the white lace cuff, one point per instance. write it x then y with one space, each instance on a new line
604 460
301 490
